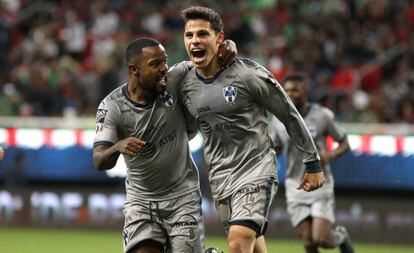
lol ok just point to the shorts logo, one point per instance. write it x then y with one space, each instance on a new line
187 222
248 194
230 94
166 99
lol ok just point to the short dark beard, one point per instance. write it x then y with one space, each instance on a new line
301 107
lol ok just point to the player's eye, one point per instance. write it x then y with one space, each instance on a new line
203 33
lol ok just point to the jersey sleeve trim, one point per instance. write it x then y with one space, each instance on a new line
104 143
313 167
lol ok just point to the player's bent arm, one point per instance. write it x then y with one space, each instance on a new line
268 92
343 147
338 135
105 157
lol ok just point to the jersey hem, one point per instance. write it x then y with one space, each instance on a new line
219 197
131 197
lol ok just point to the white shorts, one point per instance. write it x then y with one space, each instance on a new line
177 223
323 208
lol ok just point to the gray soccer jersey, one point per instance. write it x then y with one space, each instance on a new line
164 168
230 111
320 122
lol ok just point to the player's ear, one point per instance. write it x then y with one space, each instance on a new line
133 69
220 38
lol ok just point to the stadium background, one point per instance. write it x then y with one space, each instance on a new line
58 59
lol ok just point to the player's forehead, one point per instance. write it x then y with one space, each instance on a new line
294 85
197 25
153 53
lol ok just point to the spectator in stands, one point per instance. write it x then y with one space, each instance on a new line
56 56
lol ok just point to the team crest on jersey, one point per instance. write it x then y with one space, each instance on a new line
230 94
167 99
100 115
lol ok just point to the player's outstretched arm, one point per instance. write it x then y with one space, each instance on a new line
313 178
105 157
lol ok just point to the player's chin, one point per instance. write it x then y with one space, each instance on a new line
160 88
197 62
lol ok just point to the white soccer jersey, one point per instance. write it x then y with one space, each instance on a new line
320 122
230 111
164 168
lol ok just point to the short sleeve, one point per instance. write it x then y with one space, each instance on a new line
334 130
176 74
107 117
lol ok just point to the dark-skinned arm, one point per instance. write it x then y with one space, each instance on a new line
342 148
105 157
227 53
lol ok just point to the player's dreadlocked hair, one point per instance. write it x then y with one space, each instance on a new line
204 13
134 49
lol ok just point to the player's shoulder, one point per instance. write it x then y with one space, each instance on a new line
180 68
247 64
251 67
116 95
177 73
323 110
250 70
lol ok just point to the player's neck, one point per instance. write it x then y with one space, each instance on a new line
210 70
304 108
139 95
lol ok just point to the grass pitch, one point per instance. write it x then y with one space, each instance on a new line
17 240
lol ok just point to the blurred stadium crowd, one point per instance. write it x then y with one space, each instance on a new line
61 58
